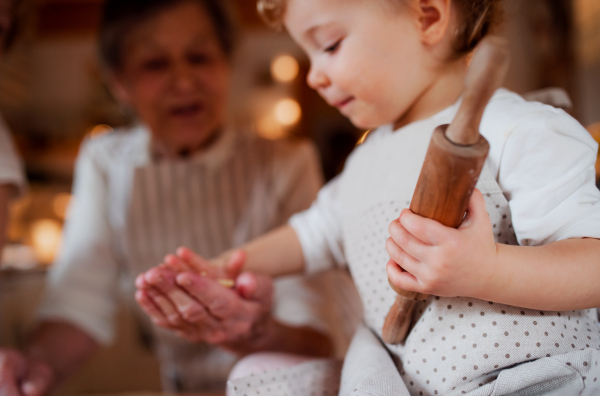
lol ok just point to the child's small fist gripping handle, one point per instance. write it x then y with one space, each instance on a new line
452 166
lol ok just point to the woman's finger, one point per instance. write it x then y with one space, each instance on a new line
196 314
151 309
140 282
166 307
219 301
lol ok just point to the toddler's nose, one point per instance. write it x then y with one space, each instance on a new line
316 78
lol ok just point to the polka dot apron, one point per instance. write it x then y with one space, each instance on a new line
456 345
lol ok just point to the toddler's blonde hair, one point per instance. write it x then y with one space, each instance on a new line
478 18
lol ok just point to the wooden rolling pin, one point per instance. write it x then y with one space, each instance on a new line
452 165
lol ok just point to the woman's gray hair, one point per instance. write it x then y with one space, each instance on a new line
121 17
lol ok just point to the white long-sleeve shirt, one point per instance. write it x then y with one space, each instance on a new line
11 169
539 187
129 211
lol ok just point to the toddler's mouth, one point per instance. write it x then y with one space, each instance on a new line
343 103
186 110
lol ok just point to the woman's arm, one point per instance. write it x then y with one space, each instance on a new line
57 349
7 191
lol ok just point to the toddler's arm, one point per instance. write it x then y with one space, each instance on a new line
467 262
276 253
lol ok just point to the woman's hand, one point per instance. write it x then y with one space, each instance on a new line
21 375
427 257
199 308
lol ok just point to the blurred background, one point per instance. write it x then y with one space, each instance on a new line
52 95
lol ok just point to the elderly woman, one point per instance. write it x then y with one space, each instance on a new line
183 175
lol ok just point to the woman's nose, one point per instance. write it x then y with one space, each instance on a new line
184 79
316 78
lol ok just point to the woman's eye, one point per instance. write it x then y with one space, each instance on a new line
155 64
198 59
4 27
332 48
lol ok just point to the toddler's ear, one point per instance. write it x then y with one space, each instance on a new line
434 20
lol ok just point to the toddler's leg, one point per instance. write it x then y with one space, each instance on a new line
264 361
573 373
273 374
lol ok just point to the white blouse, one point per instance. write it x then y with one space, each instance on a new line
129 211
539 187
11 169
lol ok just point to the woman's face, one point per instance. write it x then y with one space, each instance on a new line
176 77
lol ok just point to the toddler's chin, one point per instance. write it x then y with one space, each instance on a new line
364 123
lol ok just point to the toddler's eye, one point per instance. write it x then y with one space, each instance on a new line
332 48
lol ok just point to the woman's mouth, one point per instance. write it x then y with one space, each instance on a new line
187 110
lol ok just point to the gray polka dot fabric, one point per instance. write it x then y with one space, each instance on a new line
456 346
460 344
315 378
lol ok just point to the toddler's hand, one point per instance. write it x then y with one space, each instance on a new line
223 267
427 257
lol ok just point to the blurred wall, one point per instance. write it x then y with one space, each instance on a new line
587 24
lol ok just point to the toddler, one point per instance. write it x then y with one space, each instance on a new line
399 66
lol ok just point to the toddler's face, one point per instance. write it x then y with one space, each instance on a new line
366 59
176 77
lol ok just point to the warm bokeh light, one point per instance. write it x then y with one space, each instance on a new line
268 128
20 257
363 137
288 112
284 68
594 130
46 237
60 205
100 130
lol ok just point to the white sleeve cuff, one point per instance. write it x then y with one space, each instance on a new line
586 226
314 261
75 308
